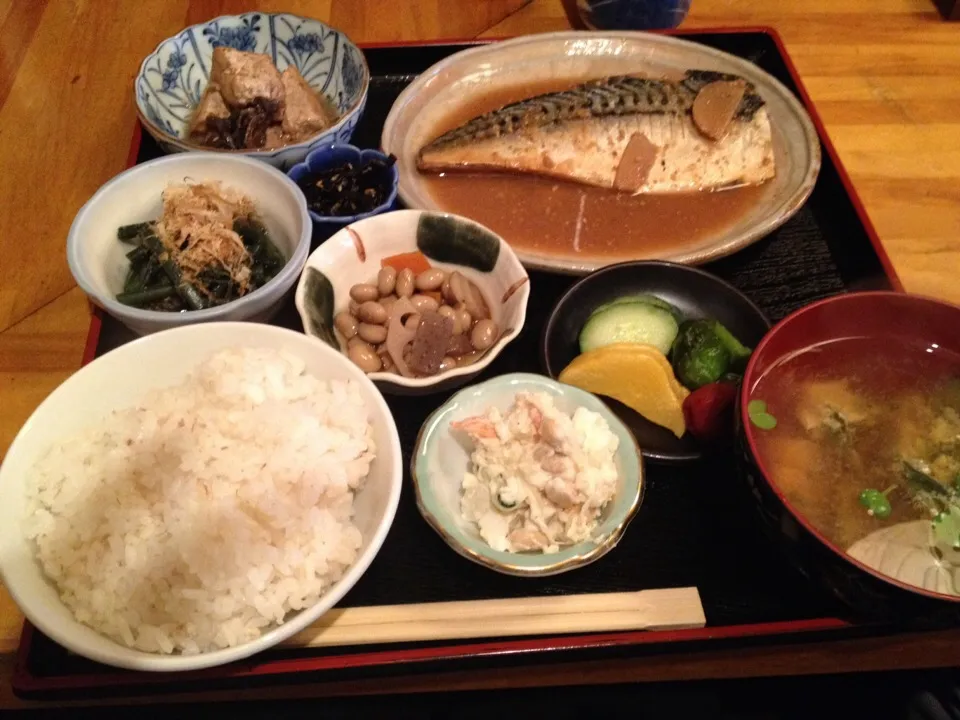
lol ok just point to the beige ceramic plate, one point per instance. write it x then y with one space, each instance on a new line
583 55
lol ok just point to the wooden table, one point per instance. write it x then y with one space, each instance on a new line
883 75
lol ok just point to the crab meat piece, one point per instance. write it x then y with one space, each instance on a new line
542 452
553 435
560 493
475 501
527 539
524 418
477 427
533 412
560 465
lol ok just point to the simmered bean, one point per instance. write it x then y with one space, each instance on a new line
372 312
449 312
372 304
388 303
357 342
430 279
386 280
362 292
456 285
464 319
374 334
483 335
346 324
423 303
364 358
404 284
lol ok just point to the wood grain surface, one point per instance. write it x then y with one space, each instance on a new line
883 75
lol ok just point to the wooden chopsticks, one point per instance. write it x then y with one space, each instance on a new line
673 608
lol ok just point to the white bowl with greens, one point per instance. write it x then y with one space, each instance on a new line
100 261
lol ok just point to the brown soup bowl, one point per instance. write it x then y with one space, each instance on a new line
873 594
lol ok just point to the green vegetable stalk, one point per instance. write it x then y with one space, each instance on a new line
188 293
131 233
145 297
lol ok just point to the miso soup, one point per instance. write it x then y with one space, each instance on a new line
866 448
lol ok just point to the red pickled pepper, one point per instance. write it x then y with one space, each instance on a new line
707 411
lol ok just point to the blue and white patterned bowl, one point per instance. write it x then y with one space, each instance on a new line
173 77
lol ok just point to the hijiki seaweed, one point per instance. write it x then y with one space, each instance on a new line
348 189
208 247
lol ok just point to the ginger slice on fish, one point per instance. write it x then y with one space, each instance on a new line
715 106
635 164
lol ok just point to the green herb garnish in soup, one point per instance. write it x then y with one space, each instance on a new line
868 439
757 410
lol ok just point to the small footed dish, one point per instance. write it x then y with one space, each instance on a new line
441 458
410 336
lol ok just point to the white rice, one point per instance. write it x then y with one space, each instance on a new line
211 511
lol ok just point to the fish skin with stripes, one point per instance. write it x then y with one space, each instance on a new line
704 131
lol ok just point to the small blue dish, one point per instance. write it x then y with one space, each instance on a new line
331 156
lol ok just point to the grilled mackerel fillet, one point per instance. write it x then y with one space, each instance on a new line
630 133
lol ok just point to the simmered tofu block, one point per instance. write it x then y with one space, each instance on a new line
832 405
243 77
211 106
274 138
304 114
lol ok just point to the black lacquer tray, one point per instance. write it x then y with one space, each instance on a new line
695 527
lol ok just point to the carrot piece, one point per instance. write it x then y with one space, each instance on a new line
416 261
435 294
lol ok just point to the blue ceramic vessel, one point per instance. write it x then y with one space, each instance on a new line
632 14
173 77
334 155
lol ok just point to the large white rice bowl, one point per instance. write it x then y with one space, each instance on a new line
197 496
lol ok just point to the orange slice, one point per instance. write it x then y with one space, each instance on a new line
679 390
632 374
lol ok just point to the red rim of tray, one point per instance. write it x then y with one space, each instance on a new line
23 680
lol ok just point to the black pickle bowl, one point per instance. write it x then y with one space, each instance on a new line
696 294
872 593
